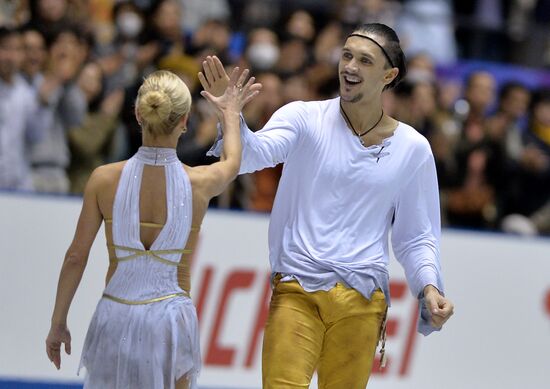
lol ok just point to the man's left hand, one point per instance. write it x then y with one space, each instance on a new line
440 308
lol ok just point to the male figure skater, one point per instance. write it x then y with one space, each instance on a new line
351 173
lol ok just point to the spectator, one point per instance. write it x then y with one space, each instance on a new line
213 37
533 208
328 45
294 57
504 126
421 67
91 142
49 16
124 59
22 118
36 56
295 46
418 105
536 157
301 25
50 157
263 50
479 95
297 88
164 28
505 132
471 201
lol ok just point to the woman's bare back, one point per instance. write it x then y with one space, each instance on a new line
152 207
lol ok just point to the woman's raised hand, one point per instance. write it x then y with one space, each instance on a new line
237 93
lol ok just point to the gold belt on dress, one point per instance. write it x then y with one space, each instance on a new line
141 302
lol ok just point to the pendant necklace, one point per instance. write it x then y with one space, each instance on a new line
360 135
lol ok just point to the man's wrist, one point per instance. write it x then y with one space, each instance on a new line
429 289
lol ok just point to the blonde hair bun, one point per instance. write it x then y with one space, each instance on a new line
162 100
155 107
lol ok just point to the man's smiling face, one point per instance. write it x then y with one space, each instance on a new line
361 69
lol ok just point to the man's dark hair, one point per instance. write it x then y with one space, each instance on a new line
390 45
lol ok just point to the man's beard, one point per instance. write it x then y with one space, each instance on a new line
354 99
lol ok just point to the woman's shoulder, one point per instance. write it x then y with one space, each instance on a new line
196 173
106 175
110 169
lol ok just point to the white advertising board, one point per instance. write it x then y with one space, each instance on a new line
499 336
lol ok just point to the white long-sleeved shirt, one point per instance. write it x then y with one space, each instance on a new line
336 201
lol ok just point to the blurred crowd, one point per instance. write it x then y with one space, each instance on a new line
70 69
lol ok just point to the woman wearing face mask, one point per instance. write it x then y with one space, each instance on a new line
127 55
262 52
128 20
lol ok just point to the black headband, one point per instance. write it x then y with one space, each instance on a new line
377 44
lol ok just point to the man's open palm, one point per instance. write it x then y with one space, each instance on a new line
214 80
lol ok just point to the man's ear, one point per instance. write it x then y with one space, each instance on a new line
390 75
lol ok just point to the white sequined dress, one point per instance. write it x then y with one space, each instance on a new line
144 332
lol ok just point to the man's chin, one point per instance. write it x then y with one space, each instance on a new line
350 98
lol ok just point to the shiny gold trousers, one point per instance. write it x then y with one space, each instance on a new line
335 332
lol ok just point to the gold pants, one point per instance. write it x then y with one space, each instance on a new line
335 332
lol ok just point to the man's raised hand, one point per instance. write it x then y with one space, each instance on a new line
214 80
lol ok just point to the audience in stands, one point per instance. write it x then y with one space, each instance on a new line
69 69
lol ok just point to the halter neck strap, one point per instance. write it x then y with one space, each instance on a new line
157 156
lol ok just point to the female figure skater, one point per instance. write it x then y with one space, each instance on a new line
144 331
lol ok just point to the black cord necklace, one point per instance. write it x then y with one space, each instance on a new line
360 135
